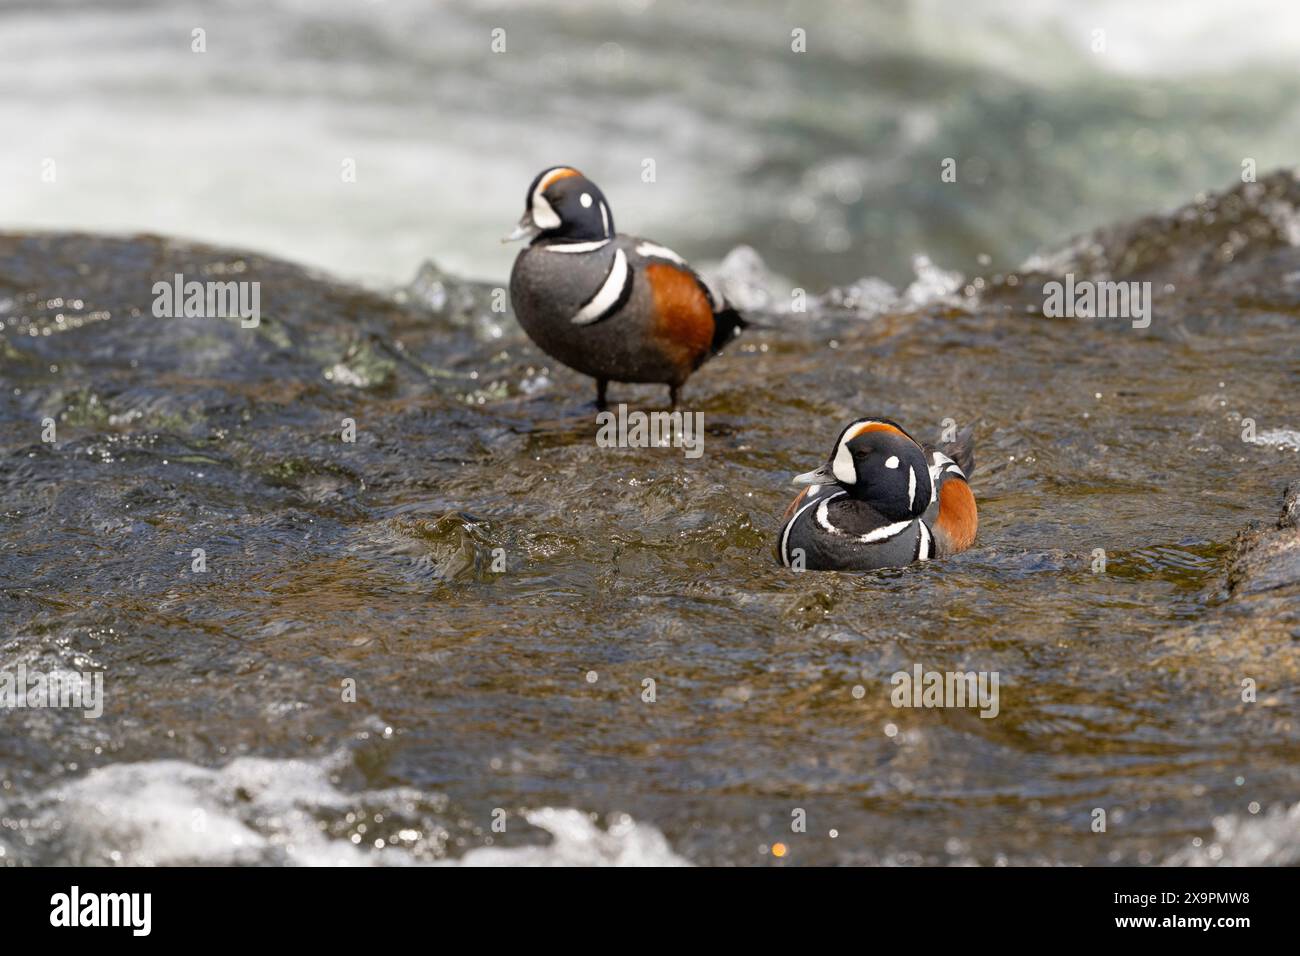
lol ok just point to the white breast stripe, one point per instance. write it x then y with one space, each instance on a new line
923 549
575 246
785 534
652 250
824 514
608 294
885 533
879 534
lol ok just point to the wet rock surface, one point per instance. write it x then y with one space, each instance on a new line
1267 563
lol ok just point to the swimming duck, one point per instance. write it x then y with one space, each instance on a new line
612 306
882 500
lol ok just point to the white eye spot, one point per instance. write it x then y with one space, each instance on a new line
891 461
585 199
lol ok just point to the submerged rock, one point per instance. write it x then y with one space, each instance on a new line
1266 563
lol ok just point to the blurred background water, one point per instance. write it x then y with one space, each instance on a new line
827 161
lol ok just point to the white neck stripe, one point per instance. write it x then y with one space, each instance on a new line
785 535
575 246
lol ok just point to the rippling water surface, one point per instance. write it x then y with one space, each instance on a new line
226 736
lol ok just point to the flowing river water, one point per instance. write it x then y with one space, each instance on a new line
229 733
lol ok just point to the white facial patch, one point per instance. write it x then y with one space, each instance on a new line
544 215
891 461
585 199
911 486
842 467
604 219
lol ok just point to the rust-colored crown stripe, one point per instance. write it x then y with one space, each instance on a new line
556 175
877 427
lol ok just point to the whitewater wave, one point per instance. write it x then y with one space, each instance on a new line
1269 839
361 153
287 812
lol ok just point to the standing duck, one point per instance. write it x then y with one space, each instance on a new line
612 306
883 500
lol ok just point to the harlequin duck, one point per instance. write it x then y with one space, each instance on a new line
611 306
882 501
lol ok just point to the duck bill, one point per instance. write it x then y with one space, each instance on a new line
525 230
822 476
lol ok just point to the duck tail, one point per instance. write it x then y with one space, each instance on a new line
962 450
727 324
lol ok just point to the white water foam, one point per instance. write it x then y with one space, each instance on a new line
260 811
1283 439
1268 839
579 842
254 141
